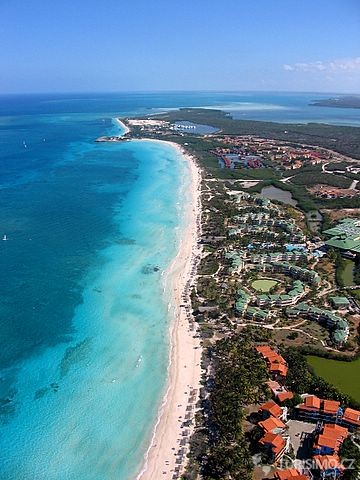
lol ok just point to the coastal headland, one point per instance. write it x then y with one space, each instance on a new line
116 138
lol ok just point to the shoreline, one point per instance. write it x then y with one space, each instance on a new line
166 456
122 125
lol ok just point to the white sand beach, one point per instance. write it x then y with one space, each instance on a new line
166 456
122 125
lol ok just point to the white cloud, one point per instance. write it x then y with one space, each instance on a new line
334 66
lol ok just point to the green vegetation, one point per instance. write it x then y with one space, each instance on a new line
337 166
356 273
348 273
302 378
339 138
344 274
344 375
344 271
264 285
338 203
350 455
312 178
219 448
235 376
208 266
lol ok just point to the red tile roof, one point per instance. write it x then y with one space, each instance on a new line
332 437
331 406
276 442
311 402
264 349
271 424
338 430
277 363
290 474
284 396
328 442
278 368
352 416
271 407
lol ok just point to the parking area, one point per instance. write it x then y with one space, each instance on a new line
300 436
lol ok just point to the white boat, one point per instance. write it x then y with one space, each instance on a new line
5 238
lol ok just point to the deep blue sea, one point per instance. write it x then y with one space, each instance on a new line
83 314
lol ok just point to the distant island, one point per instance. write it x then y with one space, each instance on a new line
340 102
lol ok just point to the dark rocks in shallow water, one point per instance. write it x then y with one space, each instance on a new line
147 269
41 392
73 355
126 241
7 406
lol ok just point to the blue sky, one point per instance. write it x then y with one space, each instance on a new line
117 45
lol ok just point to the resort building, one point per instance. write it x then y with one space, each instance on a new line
351 419
315 313
299 273
329 440
338 325
290 298
339 303
282 397
276 363
290 474
316 409
256 314
345 235
273 425
237 261
279 391
253 217
256 199
293 256
270 409
274 444
261 223
242 301
329 466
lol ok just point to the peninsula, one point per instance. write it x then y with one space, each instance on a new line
339 102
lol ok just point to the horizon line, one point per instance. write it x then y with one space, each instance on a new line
109 92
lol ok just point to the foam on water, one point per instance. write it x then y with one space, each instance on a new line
246 106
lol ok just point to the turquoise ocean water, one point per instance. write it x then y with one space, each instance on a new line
83 314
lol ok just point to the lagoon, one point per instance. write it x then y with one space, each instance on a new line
274 193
